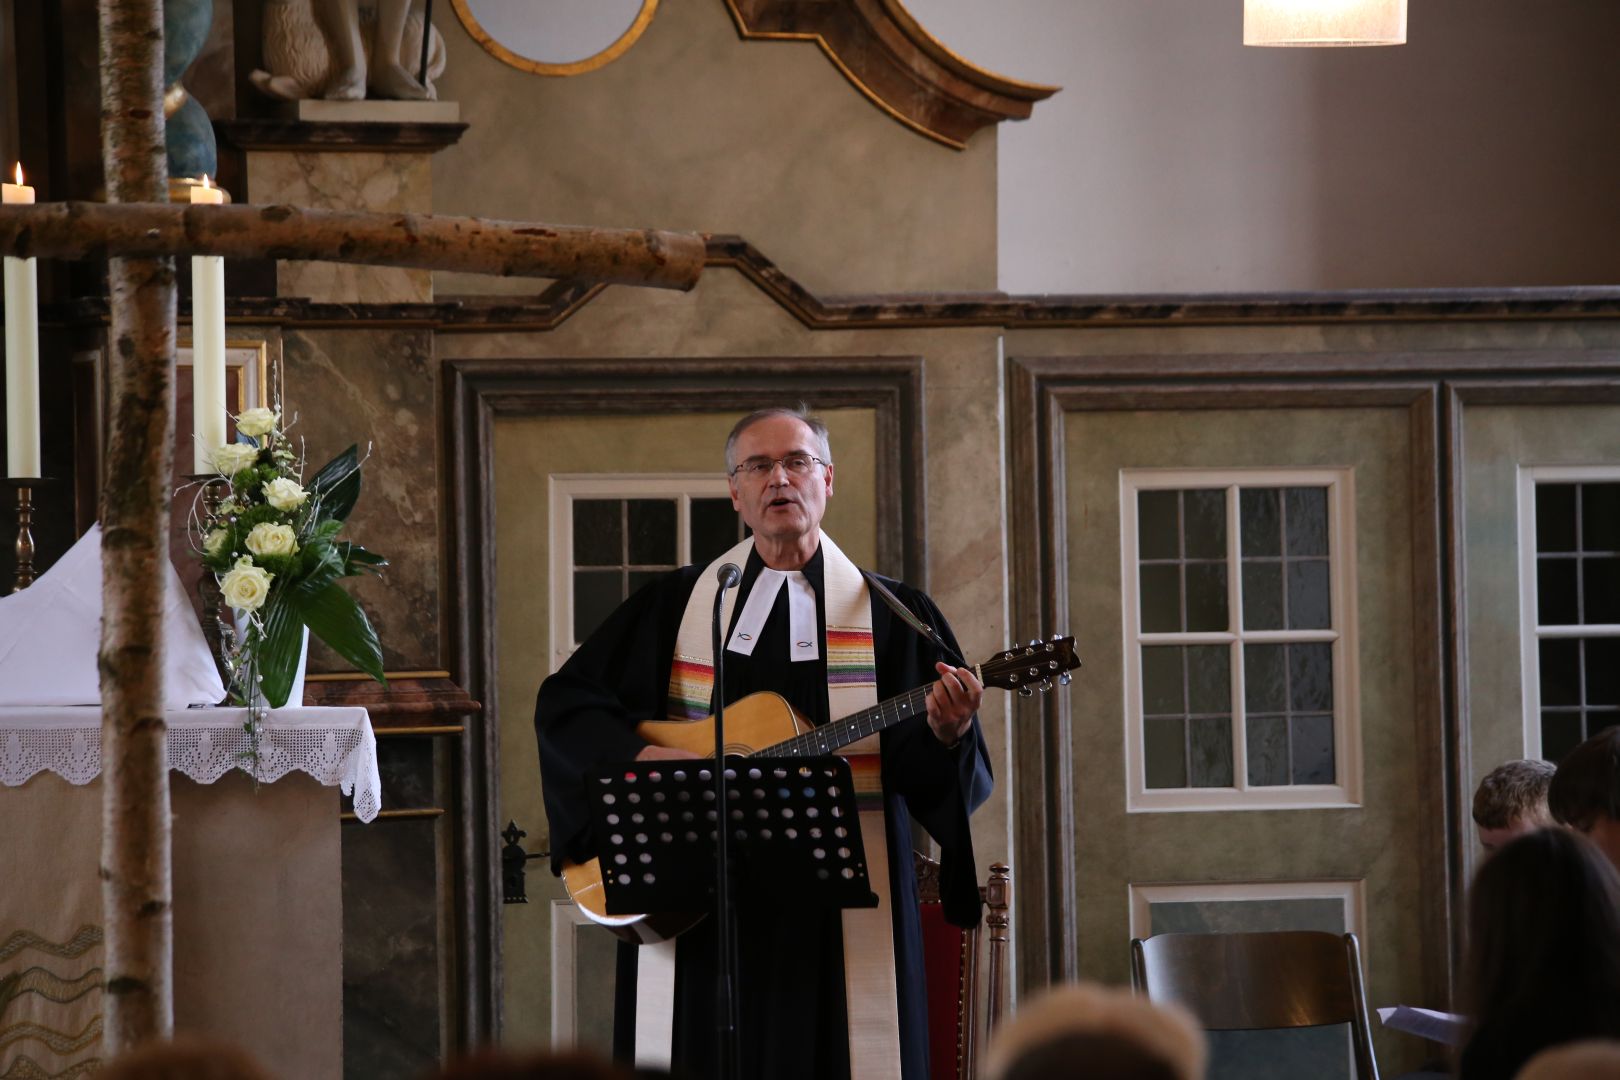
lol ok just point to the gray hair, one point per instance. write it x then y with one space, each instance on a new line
800 412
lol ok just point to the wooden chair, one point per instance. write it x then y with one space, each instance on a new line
953 976
1247 982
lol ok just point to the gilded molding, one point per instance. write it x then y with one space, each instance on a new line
901 68
618 48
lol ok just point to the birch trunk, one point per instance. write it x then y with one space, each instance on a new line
135 529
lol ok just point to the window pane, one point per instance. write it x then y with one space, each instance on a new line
1161 599
1205 523
652 532
597 539
1211 738
1258 516
638 578
1600 587
1265 674
1313 749
1560 733
1209 679
1262 596
1158 529
1305 510
1206 596
1267 738
596 594
1560 671
1310 678
1601 720
1164 741
1161 680
1603 671
1555 517
1308 600
714 529
1555 592
1600 517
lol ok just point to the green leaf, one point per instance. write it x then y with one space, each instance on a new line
333 616
279 649
322 565
357 560
337 485
326 530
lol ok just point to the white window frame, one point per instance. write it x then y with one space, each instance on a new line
1341 501
1530 629
564 488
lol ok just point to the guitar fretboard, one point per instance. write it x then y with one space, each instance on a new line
854 727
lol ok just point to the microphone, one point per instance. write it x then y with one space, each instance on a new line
728 575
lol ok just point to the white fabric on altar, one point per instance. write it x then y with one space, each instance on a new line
50 633
335 745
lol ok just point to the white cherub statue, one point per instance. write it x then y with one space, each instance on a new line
344 50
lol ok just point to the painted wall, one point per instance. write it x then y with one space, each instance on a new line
1175 159
695 128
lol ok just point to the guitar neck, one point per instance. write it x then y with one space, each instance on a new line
854 727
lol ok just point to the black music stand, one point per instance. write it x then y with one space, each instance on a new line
794 838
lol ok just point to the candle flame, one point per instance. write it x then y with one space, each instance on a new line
19 174
205 182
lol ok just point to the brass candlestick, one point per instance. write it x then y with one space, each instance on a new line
24 546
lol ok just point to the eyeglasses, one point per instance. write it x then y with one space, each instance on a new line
761 467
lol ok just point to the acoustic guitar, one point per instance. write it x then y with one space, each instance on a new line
765 724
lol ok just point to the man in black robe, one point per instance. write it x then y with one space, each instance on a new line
935 768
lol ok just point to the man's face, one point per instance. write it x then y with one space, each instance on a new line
1493 839
1605 833
777 504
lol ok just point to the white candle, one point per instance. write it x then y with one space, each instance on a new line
22 351
207 345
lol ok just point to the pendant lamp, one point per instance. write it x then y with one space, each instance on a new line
1324 22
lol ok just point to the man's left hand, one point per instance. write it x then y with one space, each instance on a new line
952 702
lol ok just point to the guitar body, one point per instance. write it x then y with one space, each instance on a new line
752 724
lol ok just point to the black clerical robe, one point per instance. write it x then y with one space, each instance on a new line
791 998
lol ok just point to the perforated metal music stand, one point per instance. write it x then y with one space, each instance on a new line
795 836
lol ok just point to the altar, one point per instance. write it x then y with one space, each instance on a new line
256 882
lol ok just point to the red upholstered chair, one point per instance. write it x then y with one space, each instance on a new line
962 993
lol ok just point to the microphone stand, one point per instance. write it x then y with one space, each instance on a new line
728 1044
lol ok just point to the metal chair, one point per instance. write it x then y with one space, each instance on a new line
1248 982
953 975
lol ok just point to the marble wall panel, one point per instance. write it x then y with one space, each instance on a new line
346 181
376 388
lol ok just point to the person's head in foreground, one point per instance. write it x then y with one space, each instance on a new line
1543 963
1585 792
1590 1059
1511 801
1085 1030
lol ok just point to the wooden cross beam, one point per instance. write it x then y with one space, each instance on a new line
80 230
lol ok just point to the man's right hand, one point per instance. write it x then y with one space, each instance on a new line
664 753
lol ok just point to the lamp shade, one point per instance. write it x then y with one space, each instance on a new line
1324 22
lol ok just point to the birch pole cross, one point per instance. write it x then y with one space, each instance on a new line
136 887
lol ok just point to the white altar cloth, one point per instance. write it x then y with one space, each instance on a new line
335 745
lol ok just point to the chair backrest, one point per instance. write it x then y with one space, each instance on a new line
1245 982
955 980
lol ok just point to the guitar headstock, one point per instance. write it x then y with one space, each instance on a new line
1031 667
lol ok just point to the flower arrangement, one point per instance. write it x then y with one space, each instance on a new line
272 544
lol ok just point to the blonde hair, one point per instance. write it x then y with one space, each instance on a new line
1589 1059
1068 1024
1512 792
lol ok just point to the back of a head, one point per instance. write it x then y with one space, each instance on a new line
1087 1030
1587 784
1514 792
1544 940
1591 1059
183 1058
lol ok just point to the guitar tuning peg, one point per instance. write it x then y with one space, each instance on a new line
1046 684
1026 691
1065 678
1036 641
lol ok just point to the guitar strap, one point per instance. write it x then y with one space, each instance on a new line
869 976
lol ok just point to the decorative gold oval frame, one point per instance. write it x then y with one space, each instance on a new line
538 67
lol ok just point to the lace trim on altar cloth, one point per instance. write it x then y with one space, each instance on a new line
344 756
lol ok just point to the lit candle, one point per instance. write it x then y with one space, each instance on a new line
22 350
207 345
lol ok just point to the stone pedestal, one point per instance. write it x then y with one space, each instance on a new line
348 155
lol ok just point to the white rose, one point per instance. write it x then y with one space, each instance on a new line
246 586
214 543
284 494
256 422
232 458
267 539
